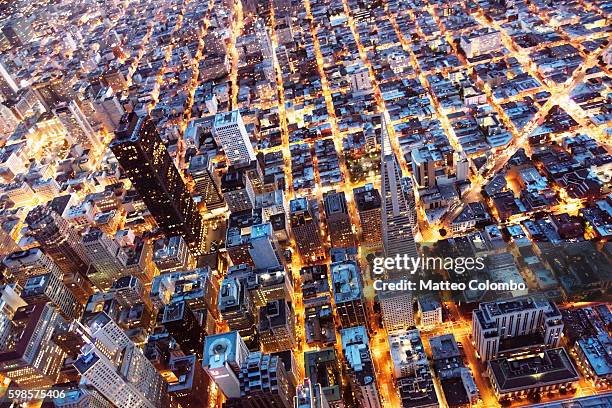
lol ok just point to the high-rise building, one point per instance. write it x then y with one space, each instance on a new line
8 86
28 355
8 120
230 133
277 326
207 184
172 254
263 383
348 293
309 395
237 190
323 367
22 265
184 327
360 368
77 125
118 369
59 240
108 109
238 310
17 31
251 241
187 382
397 309
106 256
368 203
224 355
305 228
532 318
398 217
51 288
53 90
338 219
145 160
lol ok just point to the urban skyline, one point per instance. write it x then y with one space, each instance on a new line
306 203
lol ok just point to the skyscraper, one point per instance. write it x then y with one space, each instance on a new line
397 309
224 355
184 327
360 367
206 181
238 310
8 86
368 202
28 356
305 228
117 369
77 125
105 255
398 217
230 133
338 219
50 288
59 240
23 265
145 160
309 395
263 383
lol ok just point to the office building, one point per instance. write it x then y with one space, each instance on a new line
187 382
430 310
407 353
115 367
309 395
53 90
49 288
78 128
195 287
398 208
359 365
396 309
547 371
22 265
130 291
207 184
305 227
238 310
224 355
28 355
507 326
183 326
58 239
347 290
172 254
238 191
8 86
230 133
79 396
8 120
145 160
323 367
17 30
108 109
107 258
368 203
277 326
263 383
251 241
593 356
457 382
338 220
